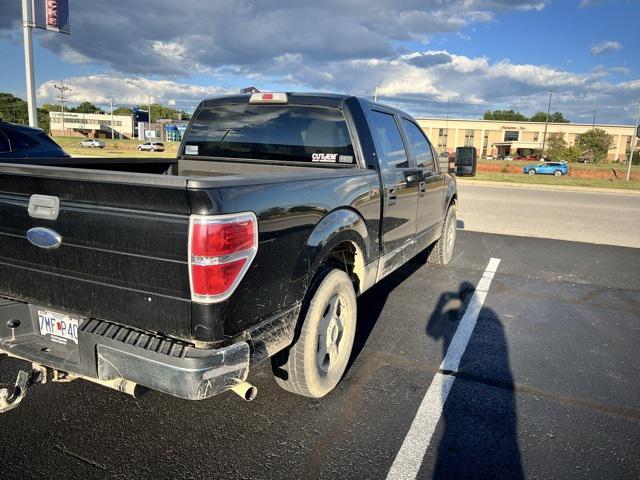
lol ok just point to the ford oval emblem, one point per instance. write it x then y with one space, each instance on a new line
44 238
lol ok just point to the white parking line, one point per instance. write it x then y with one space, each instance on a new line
415 444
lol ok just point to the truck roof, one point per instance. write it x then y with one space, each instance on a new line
296 98
327 99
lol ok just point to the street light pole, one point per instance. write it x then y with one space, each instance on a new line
145 90
112 132
27 25
633 143
546 124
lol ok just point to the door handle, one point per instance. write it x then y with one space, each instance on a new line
422 189
391 196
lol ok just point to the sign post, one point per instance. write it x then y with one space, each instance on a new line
49 15
27 25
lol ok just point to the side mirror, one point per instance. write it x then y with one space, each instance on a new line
466 161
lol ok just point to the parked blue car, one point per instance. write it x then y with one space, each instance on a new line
22 142
547 168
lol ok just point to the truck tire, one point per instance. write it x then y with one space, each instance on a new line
442 251
318 359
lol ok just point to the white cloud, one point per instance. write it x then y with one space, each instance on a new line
348 46
143 37
100 89
606 46
424 82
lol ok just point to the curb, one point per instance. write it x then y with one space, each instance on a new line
541 186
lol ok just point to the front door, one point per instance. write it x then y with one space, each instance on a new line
431 190
400 180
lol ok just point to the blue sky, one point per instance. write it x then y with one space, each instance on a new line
474 54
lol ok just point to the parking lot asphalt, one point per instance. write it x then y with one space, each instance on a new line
547 386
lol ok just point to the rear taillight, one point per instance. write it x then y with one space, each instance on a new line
221 249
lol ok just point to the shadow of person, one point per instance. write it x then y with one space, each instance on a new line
479 438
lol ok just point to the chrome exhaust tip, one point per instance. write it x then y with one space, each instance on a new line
245 390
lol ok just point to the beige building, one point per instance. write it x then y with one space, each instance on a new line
92 125
509 139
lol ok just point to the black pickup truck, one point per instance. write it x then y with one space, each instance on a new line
280 209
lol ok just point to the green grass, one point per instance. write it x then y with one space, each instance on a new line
557 181
129 148
619 167
113 148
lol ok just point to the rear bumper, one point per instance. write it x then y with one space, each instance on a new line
108 351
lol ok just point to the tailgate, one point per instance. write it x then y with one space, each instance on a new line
123 255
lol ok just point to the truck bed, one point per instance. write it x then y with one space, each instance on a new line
125 237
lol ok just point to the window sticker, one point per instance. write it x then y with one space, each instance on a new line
324 157
345 159
191 150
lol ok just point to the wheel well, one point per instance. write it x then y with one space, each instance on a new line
347 256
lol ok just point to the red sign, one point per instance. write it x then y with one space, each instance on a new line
52 15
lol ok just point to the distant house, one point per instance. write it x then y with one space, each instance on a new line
92 125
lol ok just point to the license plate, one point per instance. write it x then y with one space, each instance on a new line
60 326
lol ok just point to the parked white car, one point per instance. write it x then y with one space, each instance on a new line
151 147
92 143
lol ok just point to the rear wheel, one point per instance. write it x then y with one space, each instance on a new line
532 172
443 249
318 359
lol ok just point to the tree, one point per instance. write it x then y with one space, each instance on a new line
505 115
86 107
555 117
122 111
14 109
595 144
52 107
556 146
558 117
159 111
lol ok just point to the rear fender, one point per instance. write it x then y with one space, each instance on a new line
339 226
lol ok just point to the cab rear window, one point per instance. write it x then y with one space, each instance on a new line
271 132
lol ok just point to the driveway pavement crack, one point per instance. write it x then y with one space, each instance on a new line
61 448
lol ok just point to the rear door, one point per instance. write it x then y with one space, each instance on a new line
9 146
431 189
400 179
123 251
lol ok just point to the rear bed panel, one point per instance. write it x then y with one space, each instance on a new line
124 246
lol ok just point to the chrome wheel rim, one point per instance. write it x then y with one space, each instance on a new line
331 333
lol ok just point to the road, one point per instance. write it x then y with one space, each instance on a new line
547 387
594 217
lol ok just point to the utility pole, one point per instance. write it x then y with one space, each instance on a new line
27 26
62 88
112 132
546 124
633 143
593 126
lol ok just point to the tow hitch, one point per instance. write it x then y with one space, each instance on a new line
11 397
